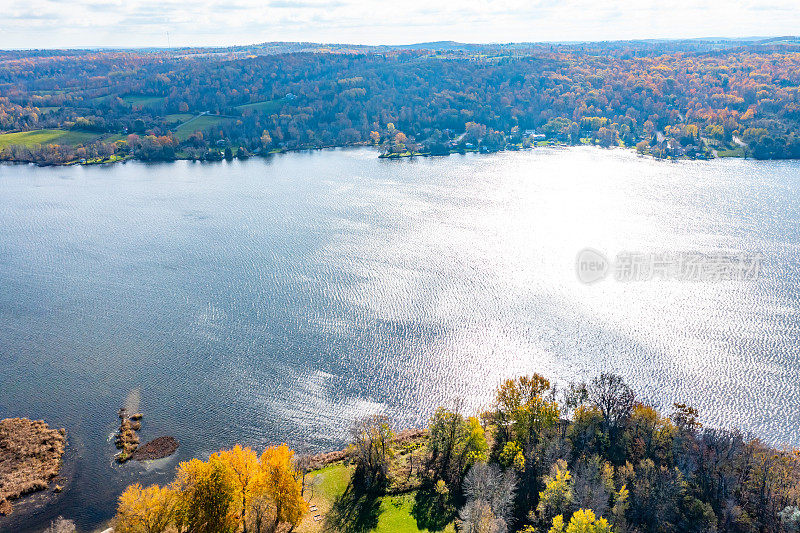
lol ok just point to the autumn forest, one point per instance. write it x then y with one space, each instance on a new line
670 99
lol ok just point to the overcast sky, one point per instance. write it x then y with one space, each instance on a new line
131 23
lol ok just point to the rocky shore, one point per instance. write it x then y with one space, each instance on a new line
30 457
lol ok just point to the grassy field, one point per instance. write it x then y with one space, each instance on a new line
200 123
49 91
327 489
142 100
111 137
738 151
31 138
323 487
177 118
137 100
264 107
396 515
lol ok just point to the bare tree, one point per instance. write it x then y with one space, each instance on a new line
477 517
592 486
615 399
303 464
488 483
573 396
371 450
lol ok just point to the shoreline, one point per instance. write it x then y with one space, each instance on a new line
388 156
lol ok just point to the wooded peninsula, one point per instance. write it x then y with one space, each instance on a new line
585 458
670 99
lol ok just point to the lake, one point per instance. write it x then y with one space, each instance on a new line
275 300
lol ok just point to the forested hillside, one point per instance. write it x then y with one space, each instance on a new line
671 99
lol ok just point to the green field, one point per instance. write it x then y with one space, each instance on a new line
142 99
177 118
31 138
48 109
48 92
110 137
138 100
200 123
263 107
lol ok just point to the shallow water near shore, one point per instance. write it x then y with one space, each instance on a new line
275 300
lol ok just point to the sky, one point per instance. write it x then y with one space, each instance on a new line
159 23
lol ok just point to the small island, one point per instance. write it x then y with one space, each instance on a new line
127 441
157 448
30 457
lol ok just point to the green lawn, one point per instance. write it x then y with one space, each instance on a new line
394 513
200 123
322 488
738 151
47 109
31 138
264 107
330 482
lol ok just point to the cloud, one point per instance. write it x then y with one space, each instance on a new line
288 4
119 23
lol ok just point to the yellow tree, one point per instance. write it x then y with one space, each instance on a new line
582 521
557 495
522 412
149 510
278 481
243 463
266 139
207 492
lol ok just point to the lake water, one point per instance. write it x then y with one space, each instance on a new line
268 301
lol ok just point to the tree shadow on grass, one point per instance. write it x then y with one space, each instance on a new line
355 511
431 510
